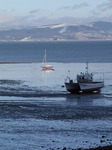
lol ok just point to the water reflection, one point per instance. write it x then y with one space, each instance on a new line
83 99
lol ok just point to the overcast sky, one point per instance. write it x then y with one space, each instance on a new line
14 13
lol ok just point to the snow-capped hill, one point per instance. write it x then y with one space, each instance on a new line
92 31
58 26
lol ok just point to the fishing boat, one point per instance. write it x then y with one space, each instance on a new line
45 66
84 83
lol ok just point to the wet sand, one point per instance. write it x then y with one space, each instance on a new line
69 122
67 107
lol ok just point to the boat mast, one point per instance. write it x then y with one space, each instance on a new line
87 67
45 56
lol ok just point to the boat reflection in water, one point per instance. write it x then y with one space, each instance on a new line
85 83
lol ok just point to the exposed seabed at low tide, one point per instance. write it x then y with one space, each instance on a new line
36 111
55 123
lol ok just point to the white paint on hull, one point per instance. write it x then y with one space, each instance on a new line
91 86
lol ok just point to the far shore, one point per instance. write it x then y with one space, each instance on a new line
16 62
38 62
51 40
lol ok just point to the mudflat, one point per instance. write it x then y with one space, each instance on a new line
63 122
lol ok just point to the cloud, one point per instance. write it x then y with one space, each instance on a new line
81 5
75 6
94 13
105 6
9 20
65 7
5 18
35 11
102 12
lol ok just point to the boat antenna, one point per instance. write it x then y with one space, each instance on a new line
69 73
87 66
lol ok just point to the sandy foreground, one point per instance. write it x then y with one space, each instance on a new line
69 122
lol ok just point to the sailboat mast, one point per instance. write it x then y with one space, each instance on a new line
46 66
45 56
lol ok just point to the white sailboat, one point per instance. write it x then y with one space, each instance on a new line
45 66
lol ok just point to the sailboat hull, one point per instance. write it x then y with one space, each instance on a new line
47 68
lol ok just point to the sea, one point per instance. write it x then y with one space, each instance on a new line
37 112
59 52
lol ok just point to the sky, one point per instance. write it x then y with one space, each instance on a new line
26 13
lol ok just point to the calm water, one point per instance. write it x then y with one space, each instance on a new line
65 52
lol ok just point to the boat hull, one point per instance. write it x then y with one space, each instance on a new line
91 87
47 68
84 87
72 87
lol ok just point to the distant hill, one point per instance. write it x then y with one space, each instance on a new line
103 25
60 32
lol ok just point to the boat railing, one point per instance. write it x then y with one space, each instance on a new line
100 76
98 80
67 79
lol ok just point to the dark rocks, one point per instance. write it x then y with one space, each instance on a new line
102 141
64 148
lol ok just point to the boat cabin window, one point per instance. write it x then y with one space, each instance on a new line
80 78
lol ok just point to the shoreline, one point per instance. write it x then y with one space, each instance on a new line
16 62
20 41
52 62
